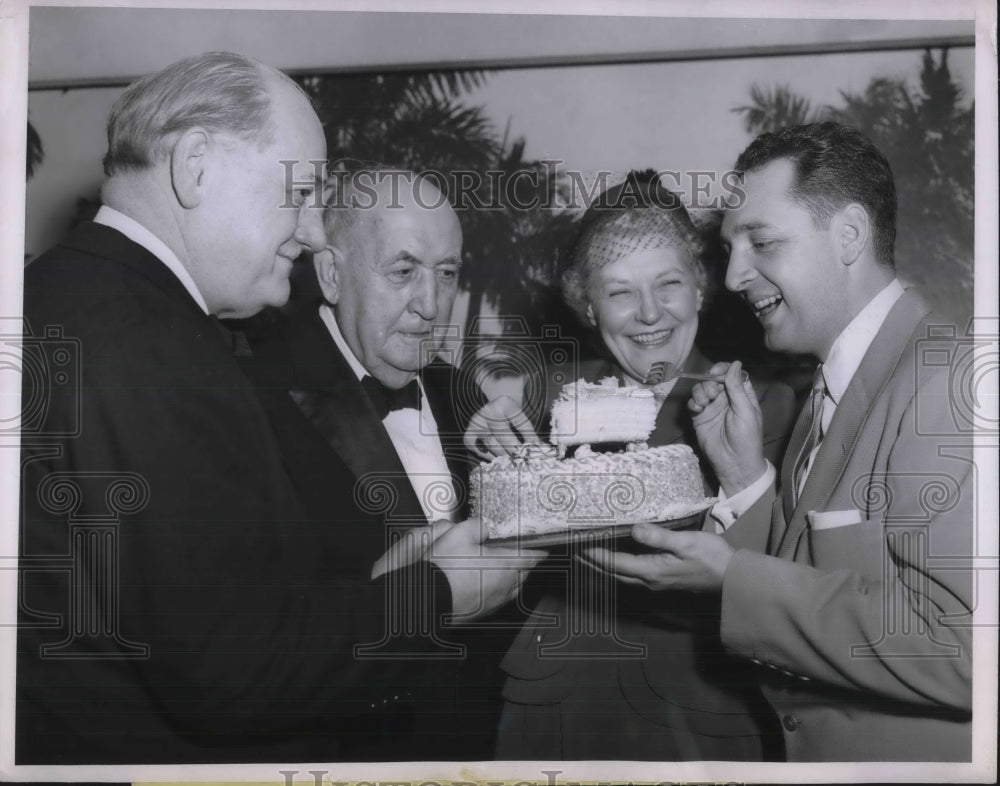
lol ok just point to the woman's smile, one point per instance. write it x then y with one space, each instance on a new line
652 339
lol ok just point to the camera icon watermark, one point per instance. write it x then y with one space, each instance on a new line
971 362
49 368
501 357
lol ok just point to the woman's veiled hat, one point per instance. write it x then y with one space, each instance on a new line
634 215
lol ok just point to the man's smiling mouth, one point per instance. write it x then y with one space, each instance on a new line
766 305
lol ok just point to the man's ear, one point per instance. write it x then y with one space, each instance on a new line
188 162
327 263
852 232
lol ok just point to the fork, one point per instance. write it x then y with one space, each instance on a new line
664 371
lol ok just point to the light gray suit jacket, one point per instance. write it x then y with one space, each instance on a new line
863 631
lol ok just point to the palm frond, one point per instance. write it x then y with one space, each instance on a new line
773 108
443 84
36 153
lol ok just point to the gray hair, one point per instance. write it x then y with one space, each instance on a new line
218 91
353 190
350 183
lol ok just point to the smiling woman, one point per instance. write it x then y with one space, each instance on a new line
637 277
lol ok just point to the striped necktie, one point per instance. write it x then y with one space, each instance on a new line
813 437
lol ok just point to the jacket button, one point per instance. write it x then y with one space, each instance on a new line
790 722
539 638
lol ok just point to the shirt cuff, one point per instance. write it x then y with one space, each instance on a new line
728 509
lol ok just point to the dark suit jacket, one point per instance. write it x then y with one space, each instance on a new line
323 421
863 630
331 418
695 702
177 603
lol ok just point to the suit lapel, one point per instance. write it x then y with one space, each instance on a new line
328 393
441 386
90 238
835 450
113 245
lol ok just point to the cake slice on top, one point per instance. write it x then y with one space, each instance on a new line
587 413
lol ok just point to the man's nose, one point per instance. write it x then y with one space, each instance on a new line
424 301
309 230
739 274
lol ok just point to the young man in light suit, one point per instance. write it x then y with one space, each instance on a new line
826 569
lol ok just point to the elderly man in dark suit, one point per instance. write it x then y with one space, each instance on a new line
364 361
178 603
829 570
355 380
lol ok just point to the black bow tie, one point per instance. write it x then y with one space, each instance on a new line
388 400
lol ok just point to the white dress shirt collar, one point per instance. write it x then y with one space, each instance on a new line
326 314
854 340
414 434
839 368
137 233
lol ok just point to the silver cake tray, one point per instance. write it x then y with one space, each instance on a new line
604 532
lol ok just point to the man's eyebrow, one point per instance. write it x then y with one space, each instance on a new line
317 182
404 256
750 226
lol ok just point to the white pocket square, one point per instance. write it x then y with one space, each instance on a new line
831 519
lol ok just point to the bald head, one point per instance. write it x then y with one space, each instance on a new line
391 270
217 91
217 156
363 197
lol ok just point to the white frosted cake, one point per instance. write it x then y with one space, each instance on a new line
541 491
586 414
